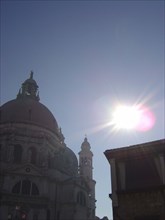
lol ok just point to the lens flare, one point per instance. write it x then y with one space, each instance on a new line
147 120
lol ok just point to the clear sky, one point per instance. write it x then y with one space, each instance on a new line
86 57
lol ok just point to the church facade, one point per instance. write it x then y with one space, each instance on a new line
41 178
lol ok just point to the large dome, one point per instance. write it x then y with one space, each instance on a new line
26 108
28 111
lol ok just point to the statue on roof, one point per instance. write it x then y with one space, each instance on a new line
31 74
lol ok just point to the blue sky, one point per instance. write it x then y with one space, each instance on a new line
86 57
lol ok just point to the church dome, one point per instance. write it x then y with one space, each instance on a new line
71 162
28 111
26 108
66 161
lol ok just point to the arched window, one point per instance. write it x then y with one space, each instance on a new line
17 154
35 190
35 216
49 161
25 187
81 199
32 155
48 214
17 188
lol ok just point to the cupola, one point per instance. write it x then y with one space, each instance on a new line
29 89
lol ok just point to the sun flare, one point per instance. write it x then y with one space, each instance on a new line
136 117
126 117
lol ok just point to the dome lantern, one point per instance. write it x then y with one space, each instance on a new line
29 89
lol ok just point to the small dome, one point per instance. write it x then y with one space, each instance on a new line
28 111
70 161
66 161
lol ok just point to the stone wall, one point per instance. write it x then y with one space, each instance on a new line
139 205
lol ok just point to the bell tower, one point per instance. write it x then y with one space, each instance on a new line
86 171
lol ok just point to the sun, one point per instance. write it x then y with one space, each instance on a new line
126 117
136 117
